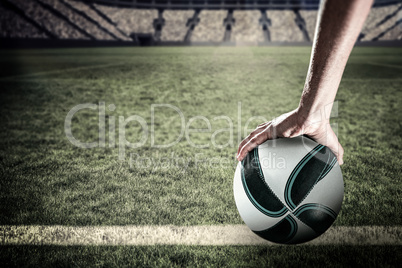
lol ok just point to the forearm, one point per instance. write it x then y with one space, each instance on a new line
338 25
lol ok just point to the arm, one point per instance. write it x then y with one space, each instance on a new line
338 26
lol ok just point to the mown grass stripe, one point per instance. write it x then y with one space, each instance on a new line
183 235
385 65
73 69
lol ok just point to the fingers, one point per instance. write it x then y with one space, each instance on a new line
338 151
339 155
330 140
258 136
323 135
336 147
264 125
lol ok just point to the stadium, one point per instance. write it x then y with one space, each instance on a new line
171 22
121 121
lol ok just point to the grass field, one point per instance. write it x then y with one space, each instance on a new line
46 180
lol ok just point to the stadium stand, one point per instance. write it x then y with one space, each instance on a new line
183 22
191 24
228 23
310 17
64 11
301 23
175 27
131 20
158 24
14 24
383 23
265 23
48 20
210 28
247 28
284 27
96 17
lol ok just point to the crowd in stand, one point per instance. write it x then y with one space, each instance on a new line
68 19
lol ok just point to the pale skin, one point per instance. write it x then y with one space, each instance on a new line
339 23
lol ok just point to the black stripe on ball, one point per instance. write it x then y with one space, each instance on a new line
311 169
282 232
317 216
257 190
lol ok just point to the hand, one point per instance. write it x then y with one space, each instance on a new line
290 125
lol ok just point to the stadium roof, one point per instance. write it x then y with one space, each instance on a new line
223 4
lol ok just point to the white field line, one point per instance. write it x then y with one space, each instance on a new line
30 75
27 77
183 235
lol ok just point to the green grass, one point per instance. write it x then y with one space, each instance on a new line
46 180
201 256
50 181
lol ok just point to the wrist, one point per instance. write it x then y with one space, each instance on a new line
318 115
